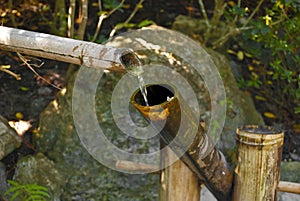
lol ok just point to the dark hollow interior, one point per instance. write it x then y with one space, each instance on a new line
130 60
156 94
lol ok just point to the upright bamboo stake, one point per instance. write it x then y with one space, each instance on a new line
177 181
259 150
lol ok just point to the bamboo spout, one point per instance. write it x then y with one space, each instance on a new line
167 111
66 49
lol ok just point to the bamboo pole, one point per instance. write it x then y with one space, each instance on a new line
165 112
134 166
289 187
66 49
257 174
177 181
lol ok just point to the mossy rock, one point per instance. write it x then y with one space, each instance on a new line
290 171
9 140
38 169
240 106
85 178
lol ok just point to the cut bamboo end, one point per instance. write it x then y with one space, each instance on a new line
259 150
254 135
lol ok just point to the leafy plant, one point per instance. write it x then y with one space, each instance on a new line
26 192
274 41
270 66
111 4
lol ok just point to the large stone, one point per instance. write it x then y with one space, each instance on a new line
85 178
9 140
290 171
240 106
197 29
3 184
38 169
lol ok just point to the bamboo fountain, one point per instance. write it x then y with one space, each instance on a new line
256 176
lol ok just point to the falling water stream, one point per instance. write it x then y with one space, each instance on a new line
134 67
143 88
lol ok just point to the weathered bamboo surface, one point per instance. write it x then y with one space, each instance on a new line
177 181
289 187
62 49
211 168
259 150
134 166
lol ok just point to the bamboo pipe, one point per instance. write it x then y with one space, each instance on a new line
290 187
259 150
283 186
66 49
133 166
166 115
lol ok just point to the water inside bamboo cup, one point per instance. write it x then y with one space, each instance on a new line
157 94
256 135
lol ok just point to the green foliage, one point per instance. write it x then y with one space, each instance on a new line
142 24
26 192
273 39
145 23
236 10
111 4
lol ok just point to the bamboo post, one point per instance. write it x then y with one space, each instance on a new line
165 111
66 49
259 150
177 181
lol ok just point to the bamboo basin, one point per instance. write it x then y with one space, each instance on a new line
177 124
257 174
